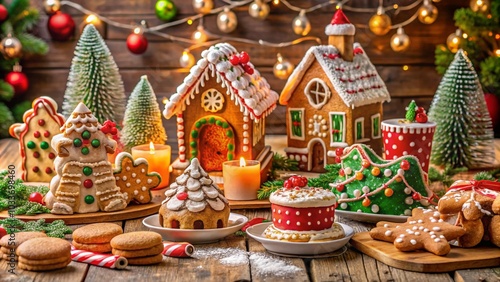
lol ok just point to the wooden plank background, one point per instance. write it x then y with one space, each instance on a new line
48 74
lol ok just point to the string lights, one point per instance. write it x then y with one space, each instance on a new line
60 26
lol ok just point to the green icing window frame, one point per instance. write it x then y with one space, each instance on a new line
296 122
359 130
376 126
210 120
337 129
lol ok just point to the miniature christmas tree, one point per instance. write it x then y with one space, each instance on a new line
94 79
367 183
411 111
464 134
142 123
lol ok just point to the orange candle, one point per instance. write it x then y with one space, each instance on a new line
241 179
158 157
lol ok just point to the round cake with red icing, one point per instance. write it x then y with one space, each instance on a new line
303 214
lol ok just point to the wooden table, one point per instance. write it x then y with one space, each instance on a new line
350 266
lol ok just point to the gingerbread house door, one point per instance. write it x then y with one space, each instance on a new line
318 157
212 142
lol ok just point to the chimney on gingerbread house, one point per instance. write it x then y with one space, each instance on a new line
340 33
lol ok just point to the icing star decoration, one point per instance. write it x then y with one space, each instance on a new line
423 230
133 179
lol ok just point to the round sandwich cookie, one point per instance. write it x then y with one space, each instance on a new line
96 233
139 253
44 253
137 240
12 241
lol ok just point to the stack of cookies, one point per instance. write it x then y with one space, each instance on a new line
10 243
96 237
140 247
44 253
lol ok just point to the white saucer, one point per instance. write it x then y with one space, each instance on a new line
298 248
195 236
370 217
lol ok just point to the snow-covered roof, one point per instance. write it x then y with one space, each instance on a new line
250 91
358 82
81 119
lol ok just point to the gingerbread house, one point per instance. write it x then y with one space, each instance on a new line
334 99
220 109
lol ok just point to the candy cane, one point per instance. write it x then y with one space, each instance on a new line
177 250
103 260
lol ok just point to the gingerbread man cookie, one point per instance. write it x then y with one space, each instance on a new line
133 178
423 230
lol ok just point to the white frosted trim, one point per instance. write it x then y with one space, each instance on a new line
340 29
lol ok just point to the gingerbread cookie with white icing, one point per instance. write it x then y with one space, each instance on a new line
424 230
194 201
40 124
133 178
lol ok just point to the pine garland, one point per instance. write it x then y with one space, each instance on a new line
57 228
94 79
21 196
143 121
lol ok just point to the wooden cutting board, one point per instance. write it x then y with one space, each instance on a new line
421 261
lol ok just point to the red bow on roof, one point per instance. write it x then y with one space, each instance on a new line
484 187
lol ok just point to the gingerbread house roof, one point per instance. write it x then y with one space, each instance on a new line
357 83
250 91
81 119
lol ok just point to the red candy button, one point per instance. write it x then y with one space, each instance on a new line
48 170
36 155
46 134
41 122
88 183
36 134
52 156
182 196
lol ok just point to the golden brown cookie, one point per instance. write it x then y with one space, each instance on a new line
44 267
44 248
96 248
16 239
96 233
136 240
133 178
474 231
145 260
42 261
494 230
423 230
139 253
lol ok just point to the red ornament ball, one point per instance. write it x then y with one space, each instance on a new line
137 43
61 26
18 80
421 118
405 165
4 14
36 197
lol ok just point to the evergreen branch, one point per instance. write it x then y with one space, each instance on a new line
446 177
268 188
6 91
32 44
6 28
27 21
324 179
281 162
17 7
484 175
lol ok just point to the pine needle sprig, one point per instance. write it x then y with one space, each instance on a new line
281 162
446 177
268 188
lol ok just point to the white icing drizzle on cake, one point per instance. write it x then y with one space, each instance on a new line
336 231
303 197
194 190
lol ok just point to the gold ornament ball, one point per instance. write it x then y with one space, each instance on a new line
51 6
186 60
400 41
203 6
11 47
283 69
481 6
227 21
200 35
428 13
453 42
301 25
259 10
380 24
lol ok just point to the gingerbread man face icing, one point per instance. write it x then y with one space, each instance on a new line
423 230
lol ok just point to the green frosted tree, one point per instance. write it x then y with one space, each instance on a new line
143 120
94 79
411 111
464 134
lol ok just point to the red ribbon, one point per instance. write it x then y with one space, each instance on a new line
477 185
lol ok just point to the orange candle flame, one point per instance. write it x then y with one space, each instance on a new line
151 148
242 162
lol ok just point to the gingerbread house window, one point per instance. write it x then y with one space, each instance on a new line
359 130
317 92
337 129
257 131
376 126
296 119
212 100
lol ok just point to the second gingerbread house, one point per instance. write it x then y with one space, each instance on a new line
334 99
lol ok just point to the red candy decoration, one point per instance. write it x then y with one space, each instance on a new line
248 69
298 181
287 184
338 160
35 169
52 156
182 196
48 170
88 183
366 202
420 110
36 134
234 60
46 134
36 155
36 197
365 163
339 151
405 165
421 118
244 57
41 122
416 196
341 172
340 187
3 232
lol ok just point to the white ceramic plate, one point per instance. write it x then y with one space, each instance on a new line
370 217
298 248
195 236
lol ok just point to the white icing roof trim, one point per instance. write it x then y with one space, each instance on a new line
357 83
340 29
251 92
80 124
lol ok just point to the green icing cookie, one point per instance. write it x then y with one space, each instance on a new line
385 193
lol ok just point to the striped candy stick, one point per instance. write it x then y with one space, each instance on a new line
177 249
103 260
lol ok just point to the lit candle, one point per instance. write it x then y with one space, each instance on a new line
241 179
158 157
